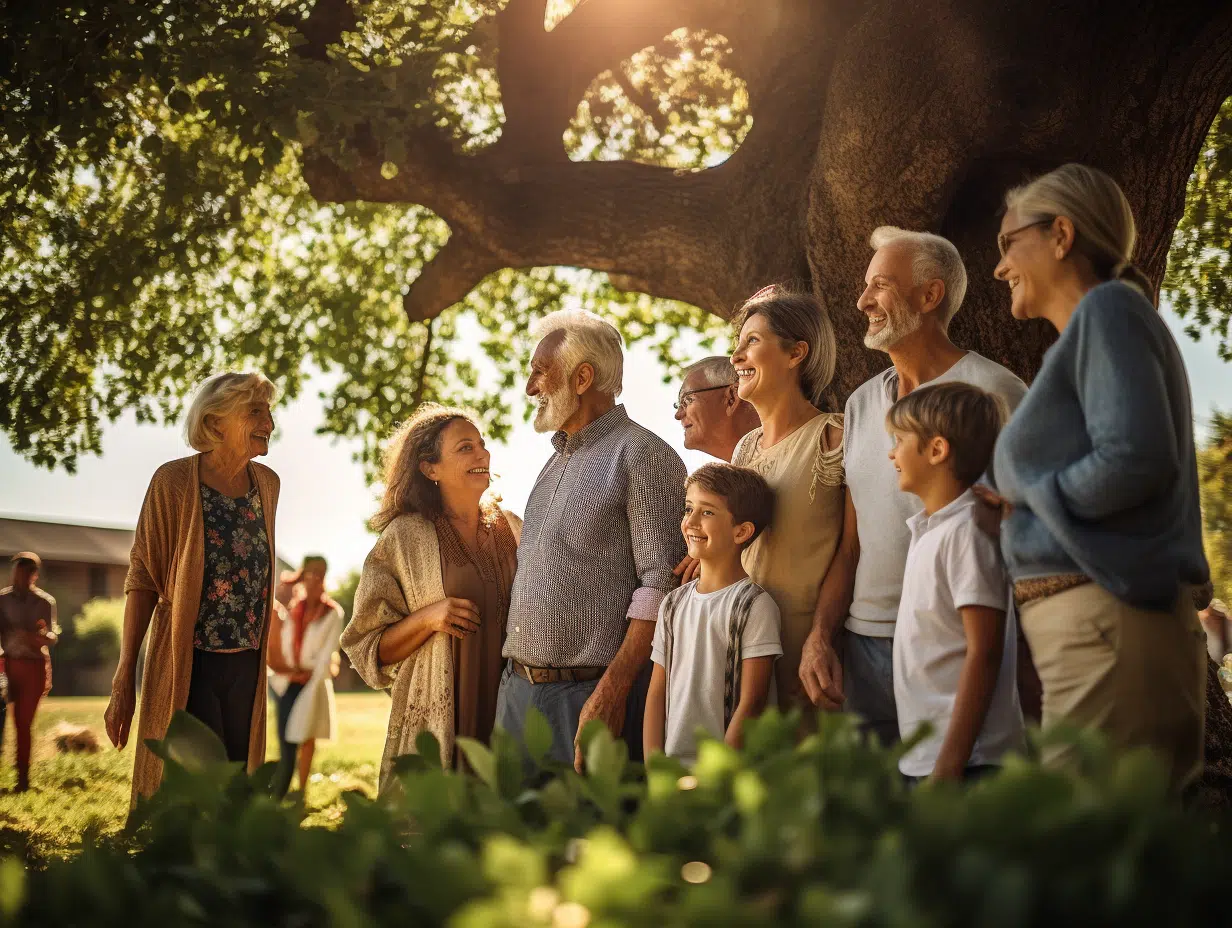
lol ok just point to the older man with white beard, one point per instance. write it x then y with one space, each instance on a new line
913 287
600 540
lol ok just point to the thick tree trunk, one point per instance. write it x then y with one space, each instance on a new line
935 110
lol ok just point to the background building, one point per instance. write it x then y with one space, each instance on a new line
81 561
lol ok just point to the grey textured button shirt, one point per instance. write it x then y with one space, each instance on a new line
600 540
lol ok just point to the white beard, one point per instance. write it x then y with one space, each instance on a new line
900 322
555 409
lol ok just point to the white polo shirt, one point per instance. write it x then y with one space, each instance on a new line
951 563
882 509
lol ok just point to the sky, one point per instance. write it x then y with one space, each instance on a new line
325 501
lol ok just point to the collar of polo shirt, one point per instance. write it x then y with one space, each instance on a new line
566 444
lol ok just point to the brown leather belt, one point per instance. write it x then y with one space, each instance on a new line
1028 591
557 674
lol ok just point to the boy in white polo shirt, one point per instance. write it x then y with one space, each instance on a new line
718 637
954 648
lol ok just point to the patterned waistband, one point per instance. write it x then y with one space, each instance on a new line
1028 591
557 674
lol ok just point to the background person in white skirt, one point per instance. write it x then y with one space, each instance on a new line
303 659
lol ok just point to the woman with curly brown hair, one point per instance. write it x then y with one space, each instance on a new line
429 613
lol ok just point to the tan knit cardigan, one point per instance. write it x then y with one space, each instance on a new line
168 558
401 574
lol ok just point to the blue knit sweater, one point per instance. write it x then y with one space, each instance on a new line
1099 458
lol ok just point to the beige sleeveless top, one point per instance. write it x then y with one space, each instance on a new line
790 559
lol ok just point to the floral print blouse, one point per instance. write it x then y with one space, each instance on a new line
236 583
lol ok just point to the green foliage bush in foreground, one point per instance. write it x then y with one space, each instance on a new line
823 833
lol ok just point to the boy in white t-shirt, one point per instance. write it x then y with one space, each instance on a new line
717 638
954 649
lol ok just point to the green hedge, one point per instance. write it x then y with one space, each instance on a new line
821 833
93 636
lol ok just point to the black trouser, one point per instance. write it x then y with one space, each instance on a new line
287 752
221 694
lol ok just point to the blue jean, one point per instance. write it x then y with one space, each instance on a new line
561 704
868 683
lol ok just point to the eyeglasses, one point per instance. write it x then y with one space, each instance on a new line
687 400
1006 239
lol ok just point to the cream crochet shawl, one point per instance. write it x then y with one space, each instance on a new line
401 574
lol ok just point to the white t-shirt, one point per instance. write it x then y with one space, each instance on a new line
951 563
882 509
695 641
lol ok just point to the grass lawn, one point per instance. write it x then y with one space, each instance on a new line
73 791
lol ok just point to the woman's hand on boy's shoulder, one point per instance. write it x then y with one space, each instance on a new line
992 511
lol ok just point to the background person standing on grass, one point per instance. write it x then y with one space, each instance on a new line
303 659
27 628
201 579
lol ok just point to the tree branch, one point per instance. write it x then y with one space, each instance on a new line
421 378
641 99
543 75
708 238
445 280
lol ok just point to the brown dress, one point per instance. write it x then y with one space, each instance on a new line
485 577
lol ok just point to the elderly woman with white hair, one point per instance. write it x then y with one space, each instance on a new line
201 576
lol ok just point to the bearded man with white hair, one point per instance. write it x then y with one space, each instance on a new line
600 540
914 285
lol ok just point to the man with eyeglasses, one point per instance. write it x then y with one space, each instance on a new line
712 414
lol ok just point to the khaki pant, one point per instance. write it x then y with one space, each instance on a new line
1136 675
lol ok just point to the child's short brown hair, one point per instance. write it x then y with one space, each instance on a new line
965 416
746 493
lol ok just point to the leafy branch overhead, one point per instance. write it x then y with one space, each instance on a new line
300 186
158 227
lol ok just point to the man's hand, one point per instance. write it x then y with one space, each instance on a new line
607 703
821 672
688 569
948 770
